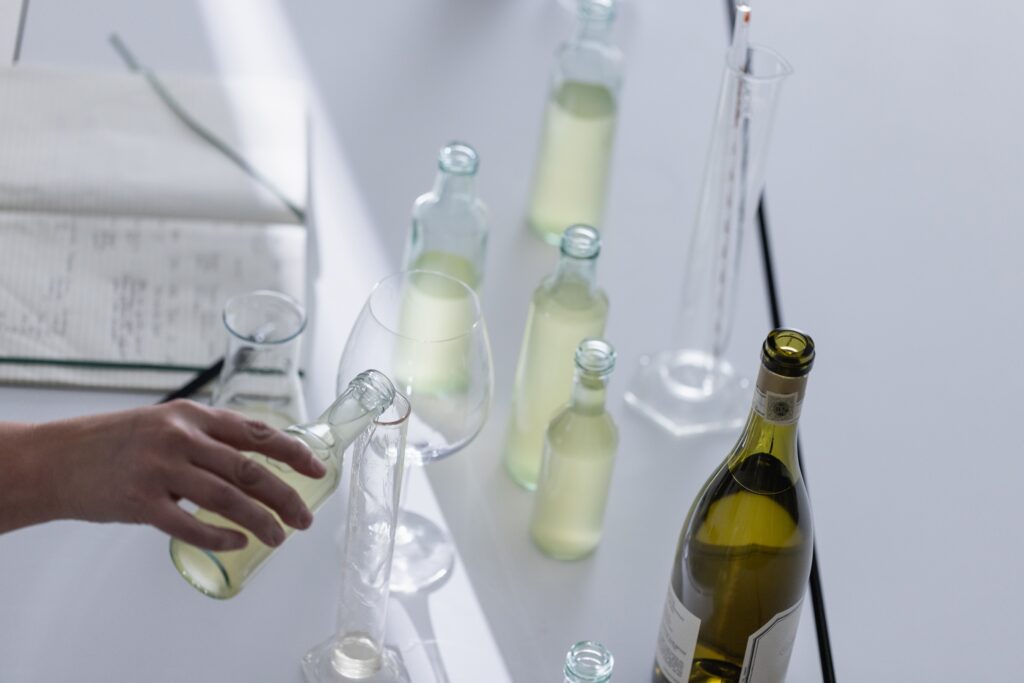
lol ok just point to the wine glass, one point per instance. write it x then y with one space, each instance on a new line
425 331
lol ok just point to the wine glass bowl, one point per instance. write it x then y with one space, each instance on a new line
426 331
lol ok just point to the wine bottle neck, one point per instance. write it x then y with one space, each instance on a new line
572 268
772 425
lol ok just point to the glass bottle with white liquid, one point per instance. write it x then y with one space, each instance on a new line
579 451
449 223
566 308
223 574
571 177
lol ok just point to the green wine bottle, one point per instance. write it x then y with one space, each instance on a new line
744 554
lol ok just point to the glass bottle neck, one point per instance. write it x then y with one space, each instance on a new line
772 425
589 392
448 185
593 30
576 269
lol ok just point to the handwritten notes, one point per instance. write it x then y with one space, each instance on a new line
141 292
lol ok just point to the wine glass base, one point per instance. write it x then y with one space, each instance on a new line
424 554
687 392
352 658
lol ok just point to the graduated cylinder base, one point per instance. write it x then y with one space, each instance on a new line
353 658
687 392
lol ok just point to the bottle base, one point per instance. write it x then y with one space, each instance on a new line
689 392
552 237
520 478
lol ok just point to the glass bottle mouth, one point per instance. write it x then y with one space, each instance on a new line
595 357
581 241
596 10
264 317
788 352
458 158
589 661
374 390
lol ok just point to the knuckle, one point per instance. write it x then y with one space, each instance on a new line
248 472
226 498
259 431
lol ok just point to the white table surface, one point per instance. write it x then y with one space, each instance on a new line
892 200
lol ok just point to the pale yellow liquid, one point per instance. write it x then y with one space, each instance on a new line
560 317
572 169
433 350
453 265
223 574
568 510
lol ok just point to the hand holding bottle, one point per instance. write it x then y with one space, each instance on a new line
133 466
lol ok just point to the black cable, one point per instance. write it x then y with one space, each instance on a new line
828 672
21 32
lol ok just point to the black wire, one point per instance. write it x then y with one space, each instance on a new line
196 383
21 32
828 672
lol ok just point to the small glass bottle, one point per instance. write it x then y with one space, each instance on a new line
566 308
588 662
449 223
224 574
744 555
571 177
579 452
260 376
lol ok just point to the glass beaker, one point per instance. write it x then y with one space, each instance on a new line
260 377
693 388
356 652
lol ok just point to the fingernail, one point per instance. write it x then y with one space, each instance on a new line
277 535
319 467
305 519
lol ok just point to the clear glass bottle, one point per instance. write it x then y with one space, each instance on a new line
579 451
224 574
744 554
571 177
588 662
449 223
566 308
260 376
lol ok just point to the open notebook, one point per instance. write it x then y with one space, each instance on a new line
122 233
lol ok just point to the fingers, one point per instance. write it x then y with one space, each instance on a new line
174 521
212 493
252 435
255 480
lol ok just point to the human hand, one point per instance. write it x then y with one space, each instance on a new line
135 465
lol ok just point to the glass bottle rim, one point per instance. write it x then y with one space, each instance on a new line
458 158
595 356
404 275
788 352
266 295
581 241
596 10
782 68
589 659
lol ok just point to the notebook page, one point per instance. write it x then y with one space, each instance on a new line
125 290
103 143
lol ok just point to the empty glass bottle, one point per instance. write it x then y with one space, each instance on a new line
588 662
566 308
449 223
571 177
224 574
579 451
260 377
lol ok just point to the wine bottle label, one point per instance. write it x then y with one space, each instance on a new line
769 647
677 639
777 408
